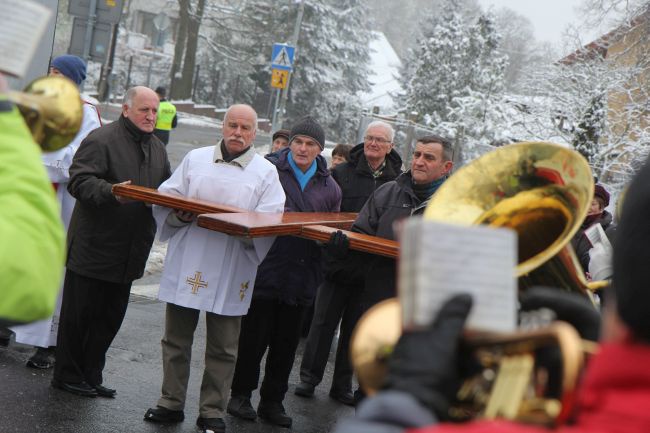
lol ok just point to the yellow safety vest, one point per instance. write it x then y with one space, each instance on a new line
166 113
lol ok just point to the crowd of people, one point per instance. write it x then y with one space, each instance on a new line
254 292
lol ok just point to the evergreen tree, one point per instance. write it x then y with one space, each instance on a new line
456 81
330 64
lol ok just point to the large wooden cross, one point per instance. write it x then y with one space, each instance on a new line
234 221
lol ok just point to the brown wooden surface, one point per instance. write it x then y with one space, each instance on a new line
258 224
149 195
358 241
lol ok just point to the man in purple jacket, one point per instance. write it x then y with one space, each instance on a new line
286 281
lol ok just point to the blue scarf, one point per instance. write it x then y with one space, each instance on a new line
301 177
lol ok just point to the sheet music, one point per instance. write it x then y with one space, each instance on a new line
21 31
595 234
438 260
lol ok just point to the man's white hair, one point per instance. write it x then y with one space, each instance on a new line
129 95
225 117
387 126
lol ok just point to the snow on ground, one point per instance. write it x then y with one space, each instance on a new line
194 120
156 258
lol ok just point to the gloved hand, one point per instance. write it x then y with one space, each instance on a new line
186 217
600 263
338 245
425 363
570 307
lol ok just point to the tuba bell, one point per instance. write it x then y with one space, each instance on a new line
52 109
540 190
543 192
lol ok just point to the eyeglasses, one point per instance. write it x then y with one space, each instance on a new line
378 140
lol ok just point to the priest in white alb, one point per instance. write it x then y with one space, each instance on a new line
210 271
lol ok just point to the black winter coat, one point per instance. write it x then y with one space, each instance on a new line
292 270
108 240
356 180
377 275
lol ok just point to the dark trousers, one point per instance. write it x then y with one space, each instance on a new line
92 311
277 326
333 304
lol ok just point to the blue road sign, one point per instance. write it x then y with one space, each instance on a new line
282 57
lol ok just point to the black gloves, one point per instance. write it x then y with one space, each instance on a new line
425 363
570 307
338 245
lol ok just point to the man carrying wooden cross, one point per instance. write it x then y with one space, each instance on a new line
210 271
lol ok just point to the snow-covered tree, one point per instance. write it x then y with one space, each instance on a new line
455 81
595 100
331 59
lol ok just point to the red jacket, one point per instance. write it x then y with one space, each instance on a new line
614 398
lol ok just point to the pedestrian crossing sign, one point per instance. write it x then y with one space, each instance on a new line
279 78
282 57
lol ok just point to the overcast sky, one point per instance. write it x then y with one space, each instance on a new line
549 17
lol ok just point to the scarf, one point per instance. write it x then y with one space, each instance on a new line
426 190
301 177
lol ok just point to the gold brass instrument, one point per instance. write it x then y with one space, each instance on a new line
510 383
540 190
543 192
52 109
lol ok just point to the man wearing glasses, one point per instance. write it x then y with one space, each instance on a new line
371 164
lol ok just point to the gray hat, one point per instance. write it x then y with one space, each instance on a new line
308 127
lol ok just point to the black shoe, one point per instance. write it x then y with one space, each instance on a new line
163 415
211 425
345 397
274 413
304 389
241 407
42 359
102 391
82 389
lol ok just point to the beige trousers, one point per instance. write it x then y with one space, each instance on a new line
222 340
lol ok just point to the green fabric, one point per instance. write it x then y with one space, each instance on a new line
32 245
166 113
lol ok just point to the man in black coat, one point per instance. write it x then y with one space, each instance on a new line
372 163
109 240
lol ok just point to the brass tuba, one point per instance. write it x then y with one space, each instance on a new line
540 190
507 381
52 109
543 192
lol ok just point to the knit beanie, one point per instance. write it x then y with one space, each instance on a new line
308 127
631 257
601 193
282 133
71 66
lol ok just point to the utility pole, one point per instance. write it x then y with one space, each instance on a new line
90 26
294 42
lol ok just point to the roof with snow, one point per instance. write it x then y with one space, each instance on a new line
599 47
384 67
